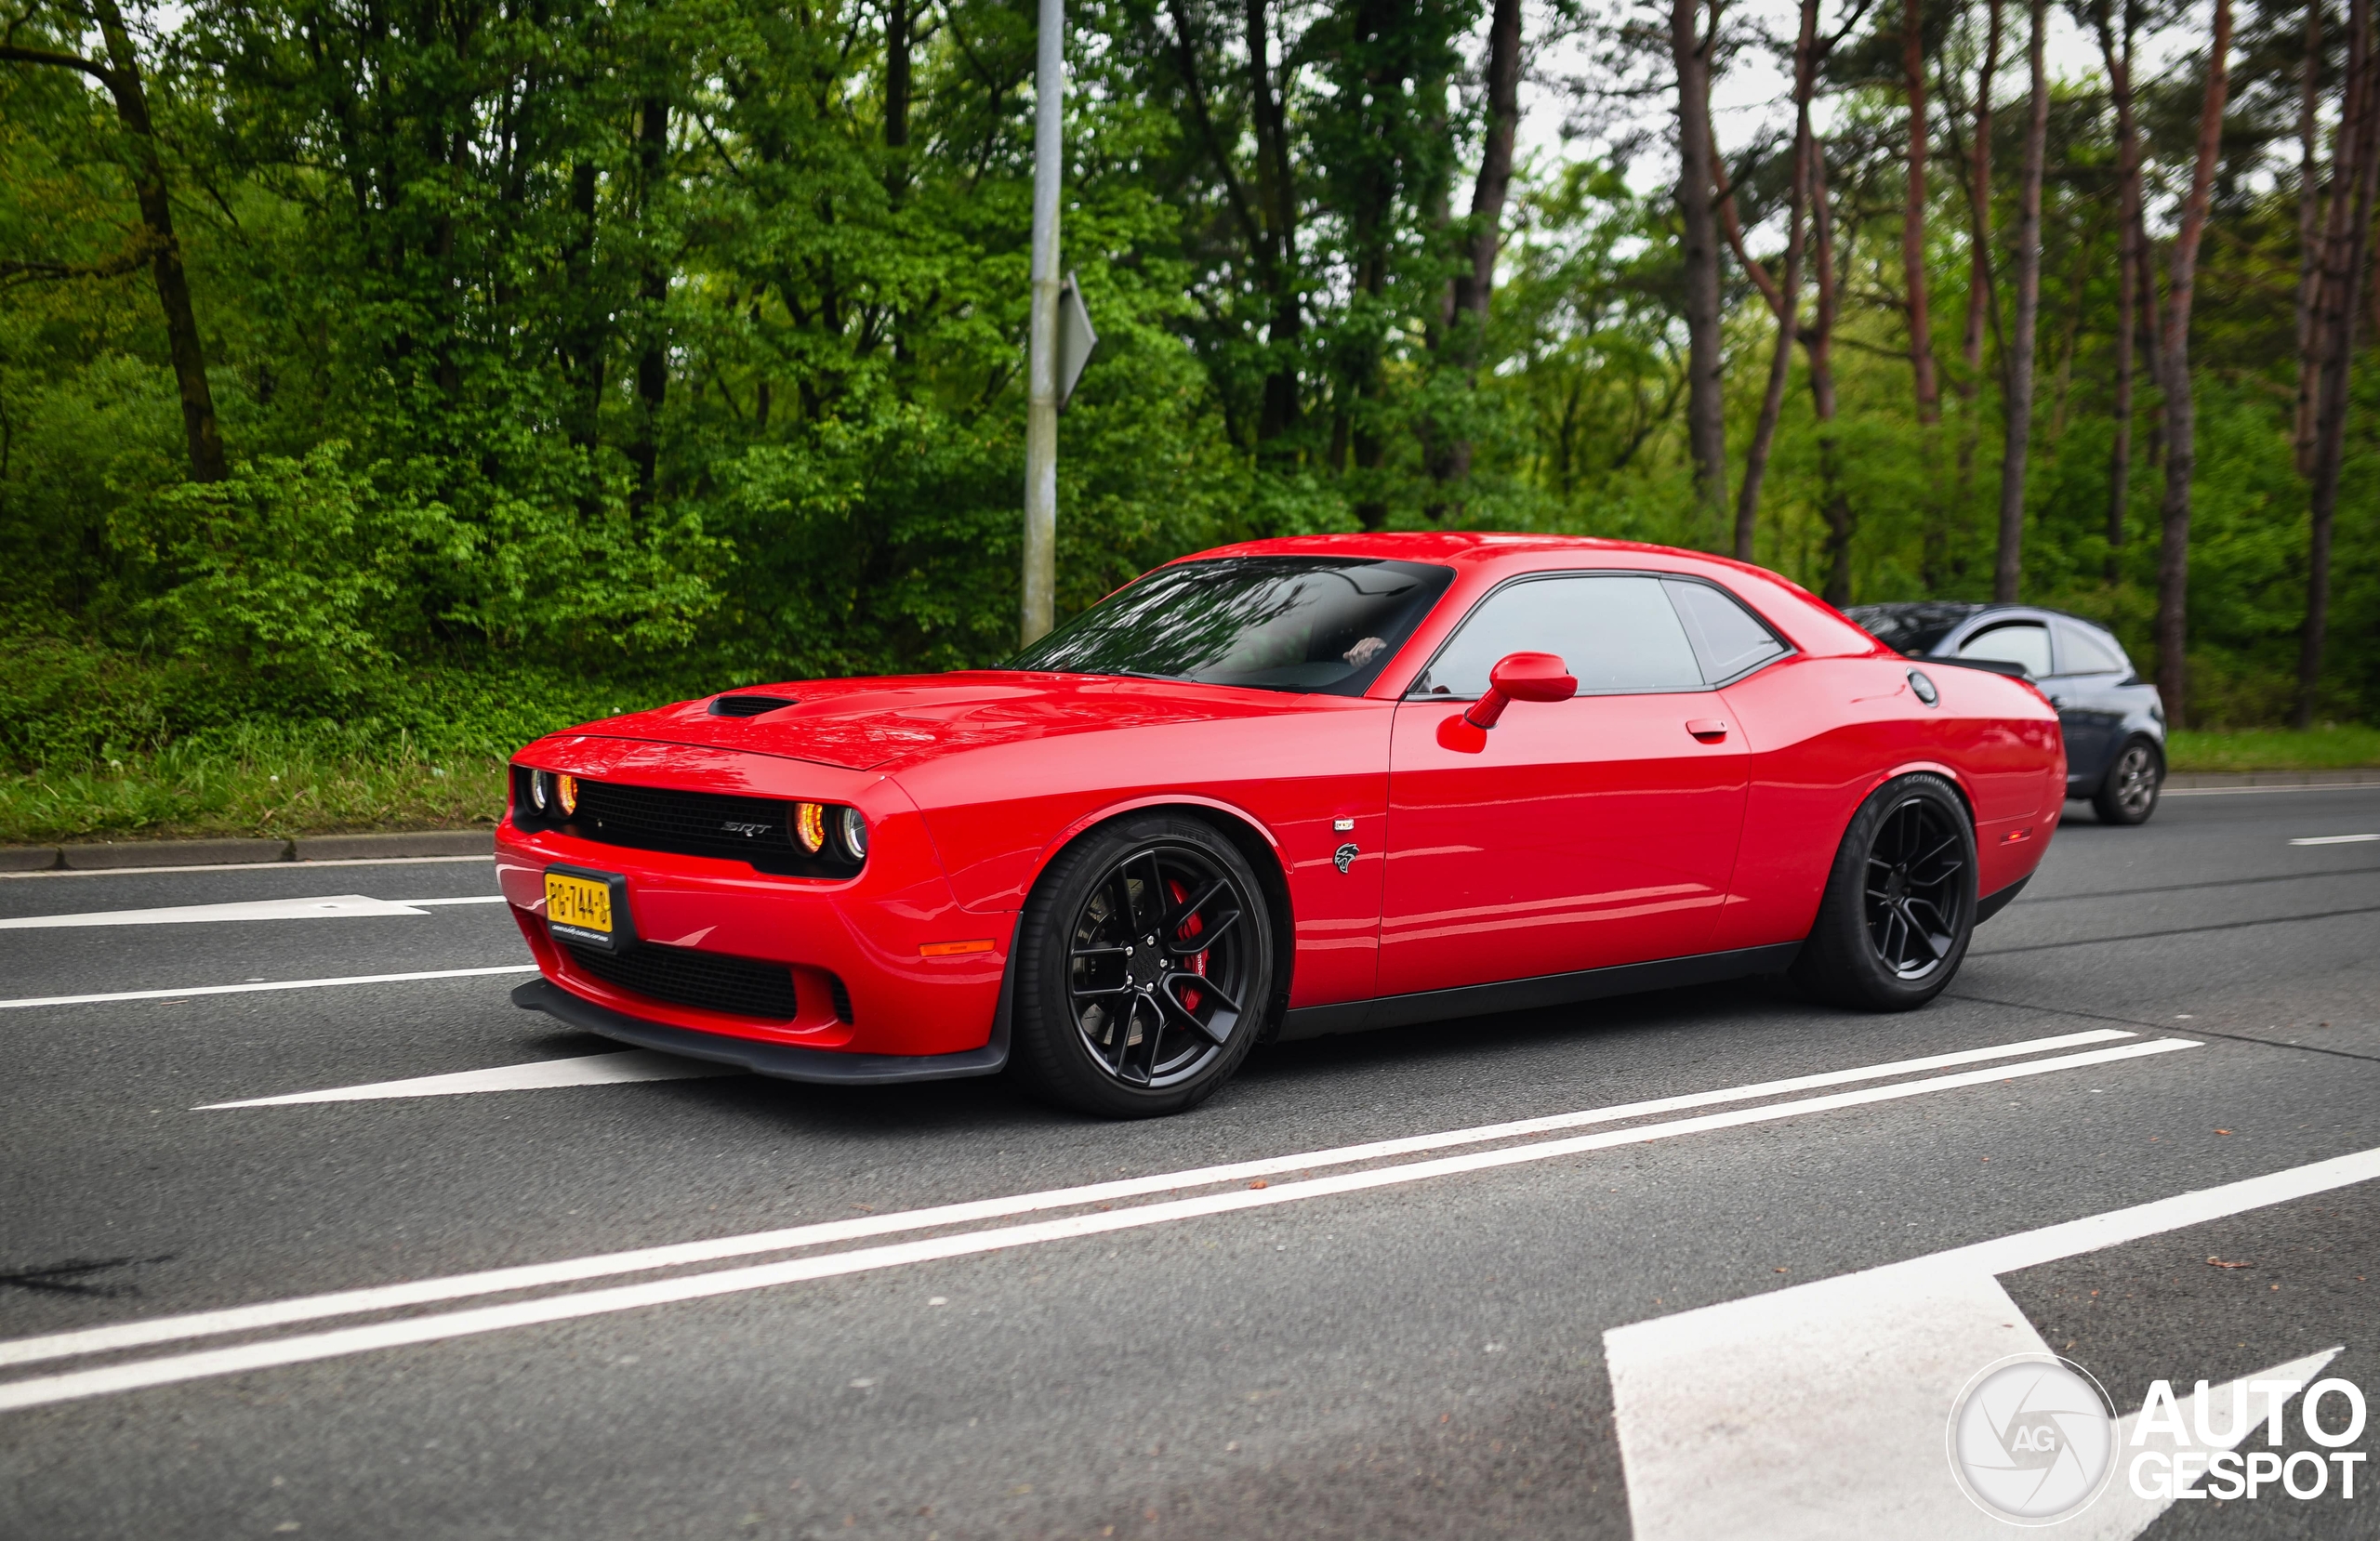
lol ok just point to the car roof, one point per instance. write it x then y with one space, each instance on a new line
1482 559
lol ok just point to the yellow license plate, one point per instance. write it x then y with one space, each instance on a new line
578 901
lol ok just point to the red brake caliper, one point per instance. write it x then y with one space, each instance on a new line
1190 927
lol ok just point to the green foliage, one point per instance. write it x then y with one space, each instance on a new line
581 357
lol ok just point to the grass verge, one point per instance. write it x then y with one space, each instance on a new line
2338 747
268 786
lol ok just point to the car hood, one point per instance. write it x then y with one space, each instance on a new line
883 723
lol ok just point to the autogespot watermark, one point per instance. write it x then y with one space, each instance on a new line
2033 1440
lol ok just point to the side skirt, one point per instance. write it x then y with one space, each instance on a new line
785 1062
1478 1000
1992 903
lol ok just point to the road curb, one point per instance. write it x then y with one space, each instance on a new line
101 855
2184 781
107 855
420 842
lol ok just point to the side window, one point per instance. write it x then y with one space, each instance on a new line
2088 650
1617 633
1727 638
2024 642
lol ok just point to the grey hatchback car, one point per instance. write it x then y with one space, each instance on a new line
2115 721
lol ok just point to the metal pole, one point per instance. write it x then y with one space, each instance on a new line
1041 409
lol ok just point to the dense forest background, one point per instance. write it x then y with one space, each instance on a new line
436 371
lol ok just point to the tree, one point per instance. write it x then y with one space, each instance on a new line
2181 417
1912 220
1783 296
1981 297
122 76
1465 316
2130 256
1706 412
2345 255
2008 571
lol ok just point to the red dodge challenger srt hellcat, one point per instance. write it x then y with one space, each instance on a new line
1277 790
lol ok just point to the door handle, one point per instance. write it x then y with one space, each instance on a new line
1710 730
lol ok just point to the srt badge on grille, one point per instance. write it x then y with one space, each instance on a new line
747 831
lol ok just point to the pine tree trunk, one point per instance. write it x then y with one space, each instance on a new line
652 364
2181 420
1979 295
2359 165
1834 504
1705 407
1474 287
2129 257
2309 228
1912 222
2008 572
1788 291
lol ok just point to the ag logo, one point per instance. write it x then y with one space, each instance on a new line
2031 1439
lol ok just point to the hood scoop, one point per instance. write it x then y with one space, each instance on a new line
750 705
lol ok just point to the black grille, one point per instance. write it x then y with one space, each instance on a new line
840 997
692 823
682 976
749 705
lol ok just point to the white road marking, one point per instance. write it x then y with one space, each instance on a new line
323 907
250 866
592 1070
304 1348
315 1307
266 984
1820 1411
2335 839
318 908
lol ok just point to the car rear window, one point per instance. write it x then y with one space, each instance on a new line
2089 651
1727 638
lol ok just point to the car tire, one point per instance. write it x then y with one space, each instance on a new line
1900 901
1113 1016
2136 778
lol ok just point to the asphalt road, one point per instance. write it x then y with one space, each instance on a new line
1358 1343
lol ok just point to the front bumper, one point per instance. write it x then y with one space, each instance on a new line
871 958
785 1062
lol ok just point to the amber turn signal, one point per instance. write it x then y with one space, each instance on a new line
810 826
952 949
566 789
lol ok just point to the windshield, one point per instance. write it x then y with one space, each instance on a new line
1326 625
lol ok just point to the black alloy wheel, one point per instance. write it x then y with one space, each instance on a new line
1917 874
1901 903
2128 793
1146 969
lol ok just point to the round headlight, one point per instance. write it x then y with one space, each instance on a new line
810 826
541 790
566 791
853 829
